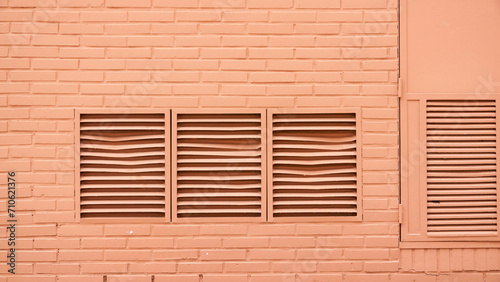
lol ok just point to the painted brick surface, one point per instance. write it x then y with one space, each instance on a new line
59 55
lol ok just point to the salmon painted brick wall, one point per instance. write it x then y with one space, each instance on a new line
58 56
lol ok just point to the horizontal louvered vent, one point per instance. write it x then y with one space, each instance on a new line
461 167
122 165
314 165
219 165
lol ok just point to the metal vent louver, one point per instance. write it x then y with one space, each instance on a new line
314 164
219 165
461 167
122 165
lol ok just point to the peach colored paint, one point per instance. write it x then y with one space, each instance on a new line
58 57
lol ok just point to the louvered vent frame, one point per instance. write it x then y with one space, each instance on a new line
314 173
218 165
123 165
462 171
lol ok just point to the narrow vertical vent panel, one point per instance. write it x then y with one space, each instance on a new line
314 165
218 162
461 167
122 165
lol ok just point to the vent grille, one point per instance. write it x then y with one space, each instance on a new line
219 171
461 167
314 165
122 165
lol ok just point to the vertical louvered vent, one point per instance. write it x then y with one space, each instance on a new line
461 167
314 165
218 162
122 165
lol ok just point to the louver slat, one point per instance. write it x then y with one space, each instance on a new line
122 165
461 167
218 164
314 170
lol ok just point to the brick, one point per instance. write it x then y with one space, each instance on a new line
101 267
104 41
102 89
40 28
271 77
198 242
14 63
198 267
11 88
306 28
175 4
56 16
127 255
22 100
84 101
324 77
128 28
262 4
255 242
83 53
50 191
171 53
319 254
245 16
318 53
36 256
14 113
15 139
271 254
366 254
276 28
55 64
220 255
292 242
128 3
244 41
55 40
15 16
23 205
295 16
217 53
81 29
37 278
317 4
340 266
271 277
247 267
139 41
243 65
205 16
150 243
55 88
59 268
104 243
198 41
274 53
364 4
37 177
80 278
289 65
129 53
318 102
147 64
175 102
225 277
84 76
223 28
222 101
177 28
100 16
156 267
80 255
196 89
366 277
196 64
151 16
285 102
224 77
176 277
56 217
175 254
